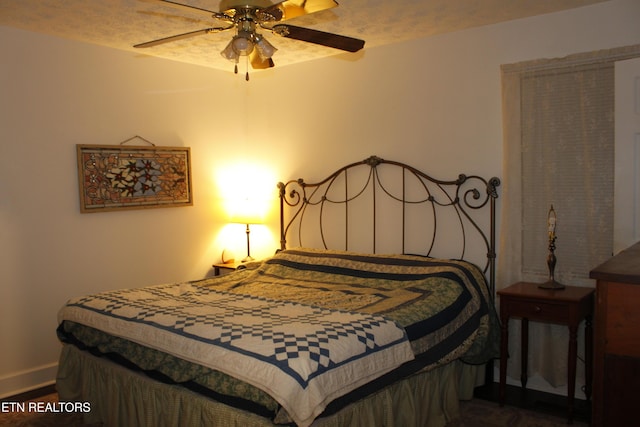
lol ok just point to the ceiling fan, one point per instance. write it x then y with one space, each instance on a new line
250 15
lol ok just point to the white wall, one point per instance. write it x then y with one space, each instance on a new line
433 103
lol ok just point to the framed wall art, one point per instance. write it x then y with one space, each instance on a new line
115 177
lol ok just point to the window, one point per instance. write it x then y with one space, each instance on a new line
558 120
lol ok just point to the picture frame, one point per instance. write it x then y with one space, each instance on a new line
115 177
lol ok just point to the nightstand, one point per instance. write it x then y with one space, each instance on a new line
568 307
226 266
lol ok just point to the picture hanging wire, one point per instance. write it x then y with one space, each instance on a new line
139 137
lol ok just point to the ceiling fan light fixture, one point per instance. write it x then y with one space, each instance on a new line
246 18
242 43
229 53
264 48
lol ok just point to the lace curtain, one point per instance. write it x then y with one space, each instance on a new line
558 129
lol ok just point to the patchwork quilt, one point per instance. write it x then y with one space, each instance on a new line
307 326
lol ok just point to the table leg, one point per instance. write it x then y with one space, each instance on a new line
573 355
504 351
588 356
524 355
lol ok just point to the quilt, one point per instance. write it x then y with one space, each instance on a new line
306 326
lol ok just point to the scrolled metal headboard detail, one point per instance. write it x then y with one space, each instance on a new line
384 195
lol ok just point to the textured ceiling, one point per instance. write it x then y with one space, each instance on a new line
122 23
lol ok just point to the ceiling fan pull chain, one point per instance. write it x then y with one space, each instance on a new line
235 68
247 67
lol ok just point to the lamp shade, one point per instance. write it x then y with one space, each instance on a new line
242 44
229 53
264 48
248 211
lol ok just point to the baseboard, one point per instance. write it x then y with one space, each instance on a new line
28 380
31 394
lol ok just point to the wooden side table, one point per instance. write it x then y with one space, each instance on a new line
228 266
568 307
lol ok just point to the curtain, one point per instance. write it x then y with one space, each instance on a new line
558 133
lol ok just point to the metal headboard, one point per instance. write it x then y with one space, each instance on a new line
421 204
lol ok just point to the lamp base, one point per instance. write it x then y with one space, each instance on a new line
248 258
552 284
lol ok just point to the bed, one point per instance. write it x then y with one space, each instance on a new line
358 320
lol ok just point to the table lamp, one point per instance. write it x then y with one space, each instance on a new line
551 258
247 211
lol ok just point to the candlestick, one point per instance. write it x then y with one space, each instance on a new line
551 222
551 258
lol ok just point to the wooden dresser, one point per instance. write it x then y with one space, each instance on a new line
616 359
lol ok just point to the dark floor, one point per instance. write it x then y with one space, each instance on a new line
538 401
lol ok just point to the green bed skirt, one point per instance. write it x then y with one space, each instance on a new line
120 397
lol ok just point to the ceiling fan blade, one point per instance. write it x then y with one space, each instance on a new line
191 9
336 41
184 7
181 36
289 9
